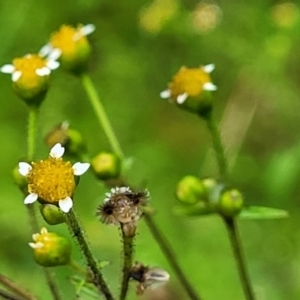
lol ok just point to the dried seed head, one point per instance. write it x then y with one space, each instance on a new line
148 277
122 205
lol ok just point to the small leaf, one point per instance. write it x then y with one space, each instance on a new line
200 209
261 212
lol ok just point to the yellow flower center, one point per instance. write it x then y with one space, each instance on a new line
51 179
28 66
65 40
189 81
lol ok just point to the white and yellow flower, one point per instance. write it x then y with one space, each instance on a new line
52 180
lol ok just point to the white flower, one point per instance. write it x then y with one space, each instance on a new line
52 179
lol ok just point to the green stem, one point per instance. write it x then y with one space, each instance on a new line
101 114
217 145
127 262
51 284
170 256
8 296
12 286
239 258
97 279
32 120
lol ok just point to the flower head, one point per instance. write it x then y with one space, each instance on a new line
73 46
30 76
50 249
148 277
190 84
52 180
122 205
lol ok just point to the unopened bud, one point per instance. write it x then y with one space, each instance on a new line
230 203
190 190
106 165
50 249
52 214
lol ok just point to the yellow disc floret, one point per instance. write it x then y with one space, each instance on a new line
28 66
51 179
189 81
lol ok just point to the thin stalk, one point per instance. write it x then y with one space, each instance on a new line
170 256
51 284
97 279
217 145
101 114
32 120
8 296
12 286
239 258
127 262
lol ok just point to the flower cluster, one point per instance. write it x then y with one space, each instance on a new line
31 73
52 180
123 206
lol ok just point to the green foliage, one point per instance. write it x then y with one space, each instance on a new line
257 74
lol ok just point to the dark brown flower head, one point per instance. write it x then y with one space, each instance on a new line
122 205
148 277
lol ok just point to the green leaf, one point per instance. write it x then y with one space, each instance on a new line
199 209
261 212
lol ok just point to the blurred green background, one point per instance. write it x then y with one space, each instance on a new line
137 47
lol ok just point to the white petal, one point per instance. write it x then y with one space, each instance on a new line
8 69
181 98
24 168
209 68
208 86
88 29
65 204
43 71
46 50
57 151
16 76
36 245
55 54
165 94
44 230
35 236
31 198
52 64
80 168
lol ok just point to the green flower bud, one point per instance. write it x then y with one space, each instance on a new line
106 165
191 190
50 249
52 214
69 138
20 180
230 203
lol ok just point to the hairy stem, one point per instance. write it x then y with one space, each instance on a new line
127 262
217 145
101 114
97 279
32 120
170 256
239 258
13 287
